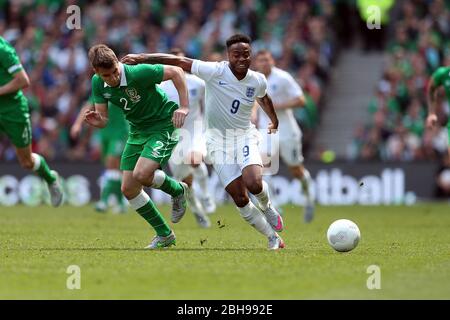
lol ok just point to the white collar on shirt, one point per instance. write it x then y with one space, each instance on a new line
123 78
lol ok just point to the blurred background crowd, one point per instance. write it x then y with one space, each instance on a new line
298 33
303 36
419 44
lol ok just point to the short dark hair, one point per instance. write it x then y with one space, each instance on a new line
236 38
101 56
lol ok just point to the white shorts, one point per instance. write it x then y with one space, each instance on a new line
179 162
290 149
229 161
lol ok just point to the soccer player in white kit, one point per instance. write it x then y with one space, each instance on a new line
231 139
286 94
186 162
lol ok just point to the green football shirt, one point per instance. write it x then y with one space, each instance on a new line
11 104
145 106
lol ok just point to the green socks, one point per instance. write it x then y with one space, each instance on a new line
147 209
152 215
42 169
167 184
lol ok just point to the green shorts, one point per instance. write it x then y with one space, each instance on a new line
18 132
158 146
112 146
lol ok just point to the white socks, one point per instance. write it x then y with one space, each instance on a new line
194 203
305 182
263 197
139 201
201 176
256 219
36 160
158 179
271 190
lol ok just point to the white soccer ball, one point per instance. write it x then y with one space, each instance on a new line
343 235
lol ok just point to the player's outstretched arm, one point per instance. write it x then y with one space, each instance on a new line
267 105
159 58
431 100
78 124
19 81
176 74
99 117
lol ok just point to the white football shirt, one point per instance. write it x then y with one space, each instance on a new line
196 90
282 87
228 101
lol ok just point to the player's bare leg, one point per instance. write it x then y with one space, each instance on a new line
238 192
141 202
34 162
252 178
201 176
130 186
195 205
147 172
300 173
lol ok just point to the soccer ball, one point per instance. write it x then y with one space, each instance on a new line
343 235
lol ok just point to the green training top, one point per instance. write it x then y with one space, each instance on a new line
145 106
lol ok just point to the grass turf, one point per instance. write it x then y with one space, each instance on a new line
411 245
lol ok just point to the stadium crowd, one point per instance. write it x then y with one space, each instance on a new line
298 33
396 131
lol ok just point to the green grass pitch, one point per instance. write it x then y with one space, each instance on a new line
411 245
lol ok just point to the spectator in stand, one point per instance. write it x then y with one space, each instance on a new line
297 33
421 43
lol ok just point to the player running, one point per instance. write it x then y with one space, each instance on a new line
112 141
232 140
15 119
152 137
286 94
441 77
186 162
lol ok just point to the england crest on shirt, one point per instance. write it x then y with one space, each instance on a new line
250 92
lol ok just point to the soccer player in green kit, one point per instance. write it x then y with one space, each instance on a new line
15 119
112 138
153 121
441 77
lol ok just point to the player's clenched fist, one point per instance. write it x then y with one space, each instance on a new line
94 118
132 59
272 128
179 116
431 120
